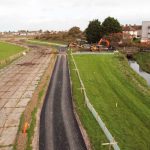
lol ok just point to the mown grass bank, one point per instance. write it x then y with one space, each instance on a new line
7 50
119 95
143 59
93 130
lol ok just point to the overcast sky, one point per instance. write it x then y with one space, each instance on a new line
63 14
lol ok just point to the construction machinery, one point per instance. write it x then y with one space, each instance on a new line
99 46
102 40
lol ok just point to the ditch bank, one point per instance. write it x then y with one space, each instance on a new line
136 67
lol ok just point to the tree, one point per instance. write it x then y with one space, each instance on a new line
40 31
111 25
74 30
73 34
93 31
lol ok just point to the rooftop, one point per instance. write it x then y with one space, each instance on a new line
132 27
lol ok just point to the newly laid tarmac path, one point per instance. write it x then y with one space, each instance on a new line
58 127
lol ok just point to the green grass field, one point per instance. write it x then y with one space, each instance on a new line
109 80
7 50
48 43
143 58
94 132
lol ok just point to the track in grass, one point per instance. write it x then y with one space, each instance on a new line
109 81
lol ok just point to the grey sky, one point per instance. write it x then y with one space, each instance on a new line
63 14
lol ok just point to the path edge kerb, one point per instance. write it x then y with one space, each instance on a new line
82 130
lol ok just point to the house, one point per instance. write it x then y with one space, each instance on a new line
145 31
134 31
22 33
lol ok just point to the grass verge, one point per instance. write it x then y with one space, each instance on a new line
47 43
92 128
119 95
30 131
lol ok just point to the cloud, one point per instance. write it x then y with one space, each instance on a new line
62 14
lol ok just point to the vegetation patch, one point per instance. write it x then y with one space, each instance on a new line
30 131
143 59
120 97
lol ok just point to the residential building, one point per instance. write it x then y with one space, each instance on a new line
134 31
145 31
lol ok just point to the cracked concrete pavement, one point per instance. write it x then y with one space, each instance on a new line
18 82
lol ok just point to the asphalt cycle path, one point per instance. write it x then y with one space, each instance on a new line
58 126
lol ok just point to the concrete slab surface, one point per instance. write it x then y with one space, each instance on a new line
7 148
8 136
18 82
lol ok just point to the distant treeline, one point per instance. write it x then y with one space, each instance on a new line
65 36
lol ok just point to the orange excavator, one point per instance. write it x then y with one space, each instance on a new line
102 40
99 46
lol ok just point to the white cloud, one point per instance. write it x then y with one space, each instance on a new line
62 14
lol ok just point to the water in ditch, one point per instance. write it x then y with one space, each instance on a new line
135 66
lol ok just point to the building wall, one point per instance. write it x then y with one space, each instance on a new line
145 31
139 33
136 34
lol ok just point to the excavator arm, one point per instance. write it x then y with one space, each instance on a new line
104 40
